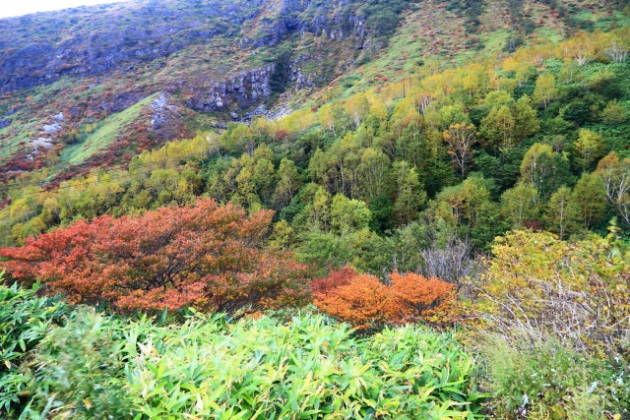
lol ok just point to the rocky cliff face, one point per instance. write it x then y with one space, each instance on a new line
319 20
246 89
155 30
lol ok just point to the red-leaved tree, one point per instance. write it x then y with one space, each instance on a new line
206 255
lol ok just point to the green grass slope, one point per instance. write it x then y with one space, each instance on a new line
110 129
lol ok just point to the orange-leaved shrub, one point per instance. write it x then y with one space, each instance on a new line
418 298
366 303
206 255
334 280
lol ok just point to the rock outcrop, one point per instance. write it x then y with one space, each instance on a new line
323 19
164 112
245 89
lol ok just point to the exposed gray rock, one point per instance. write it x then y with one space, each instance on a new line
299 79
52 128
261 111
163 112
109 49
38 144
21 69
43 143
335 28
156 30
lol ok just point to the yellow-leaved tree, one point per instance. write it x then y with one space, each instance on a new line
545 90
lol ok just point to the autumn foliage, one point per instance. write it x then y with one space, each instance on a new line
205 255
365 302
335 279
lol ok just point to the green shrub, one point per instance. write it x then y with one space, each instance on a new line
99 366
382 17
310 368
77 371
25 320
548 380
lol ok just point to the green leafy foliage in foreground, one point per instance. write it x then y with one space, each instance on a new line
547 379
97 366
24 323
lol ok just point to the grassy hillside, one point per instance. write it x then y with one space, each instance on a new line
109 130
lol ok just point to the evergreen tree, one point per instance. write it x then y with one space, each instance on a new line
409 195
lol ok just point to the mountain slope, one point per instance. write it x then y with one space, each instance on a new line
213 56
220 61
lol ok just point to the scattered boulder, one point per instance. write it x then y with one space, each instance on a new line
42 142
52 128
